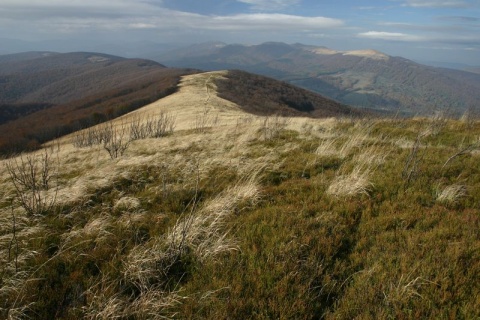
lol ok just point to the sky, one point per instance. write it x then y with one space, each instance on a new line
421 30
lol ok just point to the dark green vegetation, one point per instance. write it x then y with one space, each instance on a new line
383 82
46 95
264 96
334 220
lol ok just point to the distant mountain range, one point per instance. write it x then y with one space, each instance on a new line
473 69
60 78
129 49
362 78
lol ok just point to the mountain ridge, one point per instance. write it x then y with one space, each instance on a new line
45 95
361 78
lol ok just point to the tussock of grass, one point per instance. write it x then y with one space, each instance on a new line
327 148
451 194
127 204
332 147
355 183
372 156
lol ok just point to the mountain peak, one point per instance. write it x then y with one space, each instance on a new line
368 53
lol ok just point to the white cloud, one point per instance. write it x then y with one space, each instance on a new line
271 22
270 5
436 28
61 17
391 36
461 19
436 3
33 5
34 10
139 25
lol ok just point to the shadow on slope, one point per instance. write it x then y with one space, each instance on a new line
264 96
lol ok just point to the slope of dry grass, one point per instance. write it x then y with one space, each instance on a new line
244 217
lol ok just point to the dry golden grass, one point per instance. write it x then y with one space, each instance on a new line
146 233
351 184
451 194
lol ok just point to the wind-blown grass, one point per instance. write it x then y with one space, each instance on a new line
351 184
314 223
451 194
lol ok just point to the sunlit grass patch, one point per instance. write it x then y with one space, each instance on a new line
451 194
354 183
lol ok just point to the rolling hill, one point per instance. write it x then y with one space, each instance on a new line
61 78
362 78
209 98
46 95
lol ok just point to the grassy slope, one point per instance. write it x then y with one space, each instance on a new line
48 123
246 218
44 96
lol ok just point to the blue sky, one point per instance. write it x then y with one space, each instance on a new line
427 30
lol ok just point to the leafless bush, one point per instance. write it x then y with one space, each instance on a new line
137 130
272 126
32 176
88 138
160 126
202 122
115 140
163 124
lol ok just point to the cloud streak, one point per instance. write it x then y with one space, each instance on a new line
436 4
459 19
390 36
270 5
271 22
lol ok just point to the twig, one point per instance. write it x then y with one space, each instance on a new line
465 150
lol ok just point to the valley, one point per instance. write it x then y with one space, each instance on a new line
365 79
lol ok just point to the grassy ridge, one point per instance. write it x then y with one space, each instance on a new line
46 95
334 219
29 131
